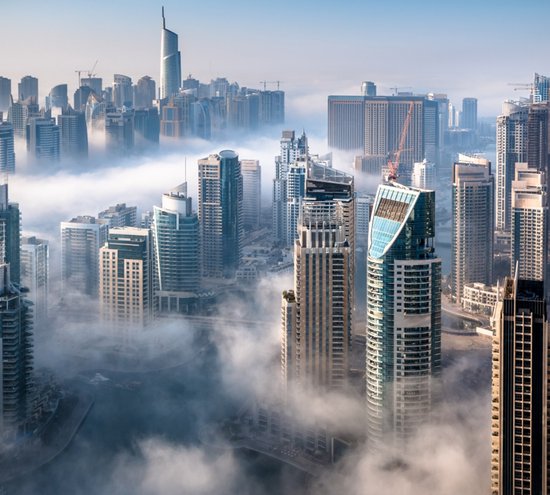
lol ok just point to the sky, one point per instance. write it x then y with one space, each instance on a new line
315 48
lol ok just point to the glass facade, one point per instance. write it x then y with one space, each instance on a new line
403 312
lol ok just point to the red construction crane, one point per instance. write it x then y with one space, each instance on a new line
393 165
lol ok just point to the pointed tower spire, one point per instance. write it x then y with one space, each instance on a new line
163 19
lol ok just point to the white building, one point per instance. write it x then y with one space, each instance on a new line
424 175
480 298
81 239
529 224
473 223
35 274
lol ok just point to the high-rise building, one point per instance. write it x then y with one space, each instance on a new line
119 131
177 256
7 150
538 141
368 88
119 215
73 133
146 125
170 62
529 253
520 460
271 107
424 175
18 114
43 139
5 94
403 360
35 273
16 357
363 209
221 213
511 148
374 124
28 88
473 224
10 234
95 83
346 120
541 88
172 122
317 314
252 193
80 98
469 114
58 99
125 280
292 148
295 192
123 92
144 92
81 239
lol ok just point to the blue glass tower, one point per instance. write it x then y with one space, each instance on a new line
170 62
403 312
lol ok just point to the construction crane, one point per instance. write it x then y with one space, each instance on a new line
265 83
90 73
393 165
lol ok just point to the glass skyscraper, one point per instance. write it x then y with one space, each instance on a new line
221 213
176 251
170 62
403 312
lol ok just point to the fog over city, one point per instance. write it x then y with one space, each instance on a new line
346 304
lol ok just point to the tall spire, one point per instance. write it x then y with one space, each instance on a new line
163 19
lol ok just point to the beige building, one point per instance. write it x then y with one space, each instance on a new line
479 298
317 314
125 281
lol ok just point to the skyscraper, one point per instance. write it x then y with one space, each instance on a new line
73 133
172 122
403 312
374 124
144 92
317 314
95 83
7 151
271 107
10 234
5 94
520 460
538 141
170 62
511 148
119 215
81 239
43 139
125 280
28 88
123 92
35 274
541 88
177 257
57 99
473 224
146 126
221 213
424 175
290 150
346 118
529 224
18 114
252 193
16 357
469 114
119 131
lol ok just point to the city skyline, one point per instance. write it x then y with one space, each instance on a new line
438 64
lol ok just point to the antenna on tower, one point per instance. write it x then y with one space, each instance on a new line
163 19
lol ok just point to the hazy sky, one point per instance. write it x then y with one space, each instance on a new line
466 48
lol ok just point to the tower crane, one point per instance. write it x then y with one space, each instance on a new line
393 164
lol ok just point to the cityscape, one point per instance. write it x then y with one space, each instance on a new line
253 250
